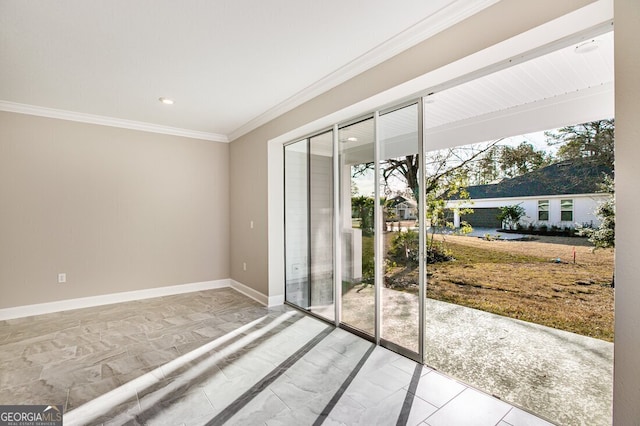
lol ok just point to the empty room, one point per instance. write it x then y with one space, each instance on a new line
302 212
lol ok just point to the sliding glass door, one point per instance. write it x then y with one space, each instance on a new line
358 231
308 181
374 266
400 237
321 224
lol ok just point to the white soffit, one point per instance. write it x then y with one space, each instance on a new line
230 65
553 90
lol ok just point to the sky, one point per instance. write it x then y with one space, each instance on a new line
537 139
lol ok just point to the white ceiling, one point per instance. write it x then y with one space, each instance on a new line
230 65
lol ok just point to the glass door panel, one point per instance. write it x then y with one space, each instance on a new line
296 164
399 177
357 227
321 224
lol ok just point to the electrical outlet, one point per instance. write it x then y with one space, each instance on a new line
244 266
62 278
251 224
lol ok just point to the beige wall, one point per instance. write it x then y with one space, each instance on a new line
115 209
626 406
248 183
248 176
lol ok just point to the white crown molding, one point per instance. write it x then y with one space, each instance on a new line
428 27
109 121
446 17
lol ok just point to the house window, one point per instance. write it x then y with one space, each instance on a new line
566 210
543 210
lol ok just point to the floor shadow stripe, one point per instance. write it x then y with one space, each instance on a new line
173 394
403 418
336 397
256 389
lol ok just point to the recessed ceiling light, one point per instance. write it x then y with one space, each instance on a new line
586 47
429 98
166 101
349 139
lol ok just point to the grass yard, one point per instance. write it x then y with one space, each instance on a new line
518 279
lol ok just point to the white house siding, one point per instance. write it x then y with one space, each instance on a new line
406 211
584 207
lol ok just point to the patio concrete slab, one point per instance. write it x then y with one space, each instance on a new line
565 377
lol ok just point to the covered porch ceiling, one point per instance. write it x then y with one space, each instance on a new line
573 83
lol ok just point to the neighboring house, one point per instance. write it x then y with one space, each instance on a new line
563 194
404 208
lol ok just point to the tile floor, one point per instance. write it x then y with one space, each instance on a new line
217 357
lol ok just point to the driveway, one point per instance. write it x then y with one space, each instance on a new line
483 232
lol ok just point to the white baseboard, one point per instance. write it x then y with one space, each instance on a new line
256 295
107 299
276 300
249 292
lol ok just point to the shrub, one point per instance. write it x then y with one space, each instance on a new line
437 252
404 250
511 215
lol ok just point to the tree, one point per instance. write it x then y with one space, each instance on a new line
511 215
447 174
362 208
593 140
524 158
448 170
487 169
445 167
405 168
